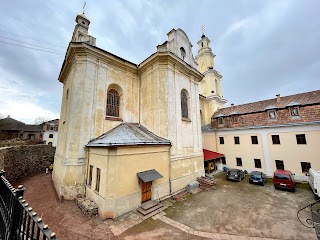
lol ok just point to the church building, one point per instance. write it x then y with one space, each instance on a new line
130 133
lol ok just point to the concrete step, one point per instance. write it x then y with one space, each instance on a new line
144 217
146 212
149 204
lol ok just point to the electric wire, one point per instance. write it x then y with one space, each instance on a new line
31 38
38 49
29 44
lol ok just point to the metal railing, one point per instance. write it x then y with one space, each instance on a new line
311 218
17 218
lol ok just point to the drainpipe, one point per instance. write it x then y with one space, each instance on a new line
139 72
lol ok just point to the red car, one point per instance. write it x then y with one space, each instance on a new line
283 179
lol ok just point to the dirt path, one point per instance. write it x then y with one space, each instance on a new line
63 218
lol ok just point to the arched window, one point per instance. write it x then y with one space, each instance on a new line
184 104
183 52
51 136
113 103
202 44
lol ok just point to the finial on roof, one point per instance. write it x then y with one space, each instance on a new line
202 30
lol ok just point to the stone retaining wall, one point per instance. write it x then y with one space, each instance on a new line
25 160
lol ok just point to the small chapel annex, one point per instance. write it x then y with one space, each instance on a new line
130 133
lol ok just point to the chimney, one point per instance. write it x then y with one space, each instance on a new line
232 106
278 97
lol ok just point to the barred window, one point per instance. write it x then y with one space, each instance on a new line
184 105
113 103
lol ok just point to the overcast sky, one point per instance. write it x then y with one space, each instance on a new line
262 48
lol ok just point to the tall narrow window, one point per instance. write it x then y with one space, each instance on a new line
221 140
90 175
236 140
98 180
113 103
183 53
184 105
257 163
279 164
239 162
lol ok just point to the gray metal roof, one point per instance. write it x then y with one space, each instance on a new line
149 175
293 104
128 134
270 107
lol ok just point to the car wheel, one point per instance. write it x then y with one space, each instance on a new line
275 186
293 190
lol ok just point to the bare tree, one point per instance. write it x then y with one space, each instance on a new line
41 119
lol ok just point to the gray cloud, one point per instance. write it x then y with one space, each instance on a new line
262 47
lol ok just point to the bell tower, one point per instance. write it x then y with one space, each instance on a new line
80 33
210 87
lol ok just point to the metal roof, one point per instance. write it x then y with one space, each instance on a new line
149 175
293 104
128 134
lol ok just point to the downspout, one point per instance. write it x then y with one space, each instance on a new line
174 82
139 72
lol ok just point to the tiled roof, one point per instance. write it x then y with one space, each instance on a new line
128 134
301 98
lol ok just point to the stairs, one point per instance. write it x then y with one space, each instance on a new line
149 209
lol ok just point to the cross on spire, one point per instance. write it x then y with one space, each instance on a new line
202 30
84 5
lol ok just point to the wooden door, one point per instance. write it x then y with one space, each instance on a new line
146 191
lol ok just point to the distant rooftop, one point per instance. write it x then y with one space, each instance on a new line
286 101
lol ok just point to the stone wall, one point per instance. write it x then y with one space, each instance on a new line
25 160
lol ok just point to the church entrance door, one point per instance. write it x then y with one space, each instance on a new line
146 191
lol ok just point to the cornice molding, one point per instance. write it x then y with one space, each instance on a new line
214 72
81 52
164 59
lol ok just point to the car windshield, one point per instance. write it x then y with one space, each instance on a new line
256 175
233 172
281 176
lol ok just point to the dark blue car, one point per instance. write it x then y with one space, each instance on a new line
257 177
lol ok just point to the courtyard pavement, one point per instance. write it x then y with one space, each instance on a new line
232 211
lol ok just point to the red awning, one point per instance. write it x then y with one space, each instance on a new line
209 155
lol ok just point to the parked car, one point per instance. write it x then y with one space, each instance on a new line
257 178
235 175
314 181
283 179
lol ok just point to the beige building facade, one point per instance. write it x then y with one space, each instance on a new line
152 106
279 133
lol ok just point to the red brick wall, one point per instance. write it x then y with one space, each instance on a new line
307 114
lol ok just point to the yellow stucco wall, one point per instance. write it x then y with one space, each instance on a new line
291 153
119 186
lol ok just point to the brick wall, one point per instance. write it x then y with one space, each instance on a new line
26 160
307 114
